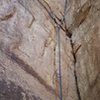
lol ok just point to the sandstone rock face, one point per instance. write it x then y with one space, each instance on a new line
29 49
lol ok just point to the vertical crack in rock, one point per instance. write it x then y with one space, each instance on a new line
75 72
69 35
79 19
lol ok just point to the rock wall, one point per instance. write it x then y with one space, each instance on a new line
29 49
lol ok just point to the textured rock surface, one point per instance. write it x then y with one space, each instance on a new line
29 49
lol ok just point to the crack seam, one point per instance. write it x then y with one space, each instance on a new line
75 73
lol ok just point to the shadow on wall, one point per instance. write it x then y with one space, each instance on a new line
9 91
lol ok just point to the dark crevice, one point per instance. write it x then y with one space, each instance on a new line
75 72
68 33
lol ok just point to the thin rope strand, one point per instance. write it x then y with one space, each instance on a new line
60 72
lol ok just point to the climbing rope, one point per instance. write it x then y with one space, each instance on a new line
59 54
